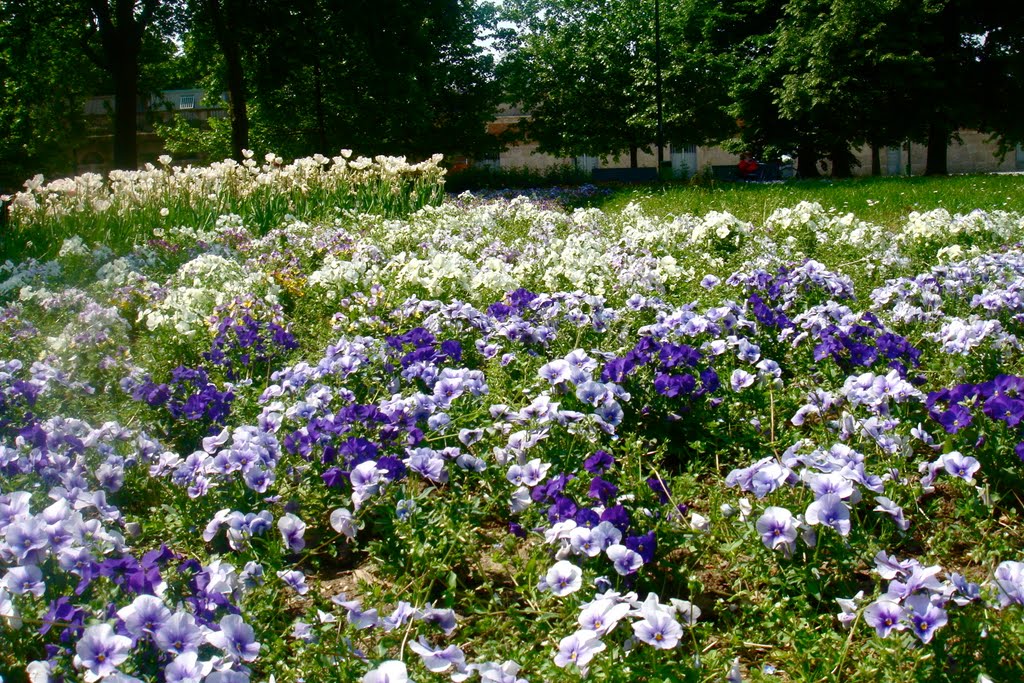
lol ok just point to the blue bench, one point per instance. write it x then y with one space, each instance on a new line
624 175
730 173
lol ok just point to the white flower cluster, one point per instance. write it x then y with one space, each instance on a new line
938 225
201 285
166 185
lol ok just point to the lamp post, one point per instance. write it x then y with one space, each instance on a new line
657 82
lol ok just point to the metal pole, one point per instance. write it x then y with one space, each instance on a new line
657 80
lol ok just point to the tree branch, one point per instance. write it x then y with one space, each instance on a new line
94 57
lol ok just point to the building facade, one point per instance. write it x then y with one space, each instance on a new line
96 153
973 153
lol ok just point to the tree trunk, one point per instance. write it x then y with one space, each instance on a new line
938 145
227 38
321 125
633 163
125 72
120 29
807 161
841 163
876 159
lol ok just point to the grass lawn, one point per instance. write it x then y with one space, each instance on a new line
885 200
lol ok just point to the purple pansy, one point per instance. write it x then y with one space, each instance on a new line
100 651
235 638
624 560
884 616
578 648
925 617
599 462
438 660
778 529
563 578
658 629
831 511
292 529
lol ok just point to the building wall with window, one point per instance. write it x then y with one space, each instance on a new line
972 153
96 153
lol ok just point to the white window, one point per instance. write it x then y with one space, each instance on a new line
187 102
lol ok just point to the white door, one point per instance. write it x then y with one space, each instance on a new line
586 163
893 159
684 160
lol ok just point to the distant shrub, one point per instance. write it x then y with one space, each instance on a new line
485 178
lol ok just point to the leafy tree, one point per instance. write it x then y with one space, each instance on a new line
44 86
120 26
1002 76
978 55
739 38
850 75
825 75
47 80
219 31
580 68
585 72
698 69
975 56
381 76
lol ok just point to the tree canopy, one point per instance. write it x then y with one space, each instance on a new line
381 76
816 77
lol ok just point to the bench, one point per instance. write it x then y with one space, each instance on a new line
624 175
730 173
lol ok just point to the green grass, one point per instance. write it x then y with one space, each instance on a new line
885 201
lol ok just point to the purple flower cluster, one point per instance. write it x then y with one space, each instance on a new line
653 623
190 396
244 342
807 283
250 452
69 545
603 528
838 480
1001 398
917 600
17 395
677 373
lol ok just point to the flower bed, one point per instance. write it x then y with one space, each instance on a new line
502 441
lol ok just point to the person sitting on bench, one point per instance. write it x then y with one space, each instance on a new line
747 168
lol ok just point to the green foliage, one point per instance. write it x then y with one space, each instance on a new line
814 76
394 77
482 177
45 84
184 139
581 70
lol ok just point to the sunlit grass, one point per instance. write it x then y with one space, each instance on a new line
885 201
